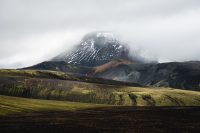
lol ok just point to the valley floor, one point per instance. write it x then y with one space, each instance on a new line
38 116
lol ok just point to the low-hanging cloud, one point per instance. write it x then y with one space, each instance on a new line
37 30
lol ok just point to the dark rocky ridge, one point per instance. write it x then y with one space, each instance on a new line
183 75
62 66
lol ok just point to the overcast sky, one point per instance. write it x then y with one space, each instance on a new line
32 31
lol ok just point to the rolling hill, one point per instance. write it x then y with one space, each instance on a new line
181 75
46 116
55 85
10 105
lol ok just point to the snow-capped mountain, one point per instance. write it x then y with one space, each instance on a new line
101 55
96 49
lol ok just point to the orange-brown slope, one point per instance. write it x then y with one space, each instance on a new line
110 65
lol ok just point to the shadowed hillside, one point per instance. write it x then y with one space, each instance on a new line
47 116
60 86
182 75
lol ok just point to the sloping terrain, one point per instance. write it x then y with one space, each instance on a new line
46 116
110 65
60 86
14 105
46 74
62 66
182 75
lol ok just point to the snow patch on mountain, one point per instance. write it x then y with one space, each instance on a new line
96 49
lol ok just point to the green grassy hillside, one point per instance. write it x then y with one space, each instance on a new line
13 105
53 85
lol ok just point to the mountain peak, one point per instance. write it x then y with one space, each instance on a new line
107 35
96 49
99 39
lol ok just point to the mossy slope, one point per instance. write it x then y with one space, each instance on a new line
13 105
31 84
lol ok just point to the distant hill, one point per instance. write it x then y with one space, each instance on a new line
62 66
53 85
182 75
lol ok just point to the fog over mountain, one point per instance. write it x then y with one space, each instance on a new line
37 30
